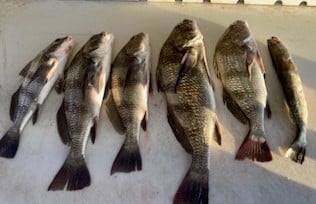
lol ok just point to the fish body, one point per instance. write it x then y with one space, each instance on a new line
239 66
130 79
191 107
39 77
293 90
77 118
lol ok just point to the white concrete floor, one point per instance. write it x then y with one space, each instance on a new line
27 27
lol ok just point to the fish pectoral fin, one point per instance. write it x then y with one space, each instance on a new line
36 113
218 132
260 62
144 121
178 131
92 76
250 57
62 125
233 107
151 89
268 110
113 115
24 72
207 70
107 90
188 61
51 66
60 83
93 130
14 104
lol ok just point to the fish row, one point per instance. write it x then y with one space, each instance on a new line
182 75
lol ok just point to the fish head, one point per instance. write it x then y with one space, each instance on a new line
238 33
61 47
99 44
278 49
186 35
138 44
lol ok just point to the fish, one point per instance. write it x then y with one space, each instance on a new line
291 83
130 82
85 81
239 66
191 107
39 77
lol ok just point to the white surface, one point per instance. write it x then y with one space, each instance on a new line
26 28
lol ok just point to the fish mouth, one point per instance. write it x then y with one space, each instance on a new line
70 41
273 41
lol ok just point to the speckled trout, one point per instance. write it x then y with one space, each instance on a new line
294 95
77 117
239 66
183 76
39 77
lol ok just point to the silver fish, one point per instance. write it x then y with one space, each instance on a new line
130 79
239 66
294 95
39 77
77 118
183 76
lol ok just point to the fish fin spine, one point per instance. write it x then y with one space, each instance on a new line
127 160
74 174
9 144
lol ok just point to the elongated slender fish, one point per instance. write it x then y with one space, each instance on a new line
294 95
191 108
39 77
78 115
130 79
239 66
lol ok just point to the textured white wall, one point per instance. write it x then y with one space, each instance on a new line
26 28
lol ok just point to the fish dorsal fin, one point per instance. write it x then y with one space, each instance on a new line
188 61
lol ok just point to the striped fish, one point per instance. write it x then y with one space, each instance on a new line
78 115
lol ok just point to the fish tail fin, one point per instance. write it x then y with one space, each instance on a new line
128 159
74 173
9 143
193 189
255 148
298 148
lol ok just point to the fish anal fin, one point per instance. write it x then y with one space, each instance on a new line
268 110
218 132
14 104
233 107
93 131
178 131
62 125
113 115
144 121
36 113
